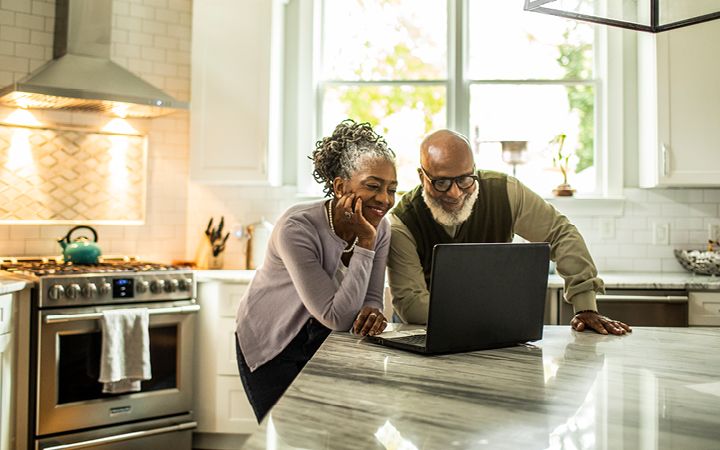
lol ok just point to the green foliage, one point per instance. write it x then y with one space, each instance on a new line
575 60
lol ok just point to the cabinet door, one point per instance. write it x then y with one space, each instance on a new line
6 423
5 313
679 114
236 49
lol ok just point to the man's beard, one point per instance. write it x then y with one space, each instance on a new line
450 219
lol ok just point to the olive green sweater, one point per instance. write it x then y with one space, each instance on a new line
531 218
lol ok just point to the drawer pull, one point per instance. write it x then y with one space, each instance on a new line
643 298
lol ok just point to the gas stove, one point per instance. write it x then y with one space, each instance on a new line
113 280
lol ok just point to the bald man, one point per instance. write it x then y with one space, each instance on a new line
457 203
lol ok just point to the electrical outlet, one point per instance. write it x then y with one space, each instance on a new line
714 231
661 234
607 228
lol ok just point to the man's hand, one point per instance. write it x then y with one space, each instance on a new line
599 323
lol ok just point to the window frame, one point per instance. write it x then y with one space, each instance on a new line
607 81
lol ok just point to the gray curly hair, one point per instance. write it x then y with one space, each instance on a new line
340 154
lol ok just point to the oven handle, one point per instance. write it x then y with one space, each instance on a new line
124 437
57 318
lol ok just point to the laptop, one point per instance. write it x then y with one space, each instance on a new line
482 296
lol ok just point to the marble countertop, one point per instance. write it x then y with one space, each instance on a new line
229 276
9 284
655 388
650 280
629 280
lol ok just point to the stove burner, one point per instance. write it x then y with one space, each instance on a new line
44 267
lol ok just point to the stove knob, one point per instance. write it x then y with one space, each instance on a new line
72 291
56 292
90 290
171 285
105 289
185 284
142 287
157 286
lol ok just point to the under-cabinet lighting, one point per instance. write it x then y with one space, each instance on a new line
23 118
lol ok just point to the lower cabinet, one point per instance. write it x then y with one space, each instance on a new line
220 402
6 372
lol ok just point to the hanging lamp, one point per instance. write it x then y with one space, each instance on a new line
652 16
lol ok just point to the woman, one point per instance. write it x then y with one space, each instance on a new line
324 267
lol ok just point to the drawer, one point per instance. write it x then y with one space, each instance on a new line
229 296
5 313
704 309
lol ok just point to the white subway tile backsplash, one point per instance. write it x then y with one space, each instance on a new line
646 265
14 34
7 17
703 209
41 38
30 22
42 8
23 6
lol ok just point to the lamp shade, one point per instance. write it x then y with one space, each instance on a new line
643 15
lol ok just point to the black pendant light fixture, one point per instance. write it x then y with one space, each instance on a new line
642 15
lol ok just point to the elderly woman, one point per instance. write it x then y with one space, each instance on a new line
324 267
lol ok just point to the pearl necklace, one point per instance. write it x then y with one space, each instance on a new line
332 227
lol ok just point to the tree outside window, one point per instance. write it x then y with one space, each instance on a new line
530 78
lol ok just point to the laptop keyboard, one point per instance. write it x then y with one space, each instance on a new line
415 339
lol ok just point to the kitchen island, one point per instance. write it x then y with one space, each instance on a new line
654 388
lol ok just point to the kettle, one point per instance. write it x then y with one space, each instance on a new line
81 250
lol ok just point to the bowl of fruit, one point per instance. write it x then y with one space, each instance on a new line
701 262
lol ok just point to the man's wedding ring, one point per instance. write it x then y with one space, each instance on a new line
348 215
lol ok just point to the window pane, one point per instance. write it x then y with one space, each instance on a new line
384 40
403 114
506 42
535 114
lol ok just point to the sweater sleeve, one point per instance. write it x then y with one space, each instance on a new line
301 252
538 221
410 296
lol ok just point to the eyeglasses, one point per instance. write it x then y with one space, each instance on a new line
444 184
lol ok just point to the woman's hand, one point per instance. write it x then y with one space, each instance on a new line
369 321
349 221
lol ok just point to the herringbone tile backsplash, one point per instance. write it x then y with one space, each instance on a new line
65 175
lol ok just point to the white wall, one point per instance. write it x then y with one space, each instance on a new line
152 39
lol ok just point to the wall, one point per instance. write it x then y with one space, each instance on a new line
152 39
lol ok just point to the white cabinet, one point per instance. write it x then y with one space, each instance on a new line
679 109
704 309
236 91
220 402
6 372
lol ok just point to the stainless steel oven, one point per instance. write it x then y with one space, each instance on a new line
67 408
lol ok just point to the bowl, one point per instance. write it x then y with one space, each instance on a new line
699 261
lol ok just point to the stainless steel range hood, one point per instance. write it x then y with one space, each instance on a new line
81 75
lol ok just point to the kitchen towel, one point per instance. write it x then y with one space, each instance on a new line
125 354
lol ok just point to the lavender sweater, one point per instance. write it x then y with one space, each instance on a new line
296 282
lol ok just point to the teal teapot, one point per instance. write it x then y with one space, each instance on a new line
81 250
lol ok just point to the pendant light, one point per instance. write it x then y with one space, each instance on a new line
641 15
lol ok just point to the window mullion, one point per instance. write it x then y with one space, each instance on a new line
458 88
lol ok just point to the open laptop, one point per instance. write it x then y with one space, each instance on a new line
482 296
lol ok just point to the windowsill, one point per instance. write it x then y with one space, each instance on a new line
589 206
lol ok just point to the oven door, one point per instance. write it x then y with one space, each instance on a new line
69 396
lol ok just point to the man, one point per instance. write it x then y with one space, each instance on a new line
456 203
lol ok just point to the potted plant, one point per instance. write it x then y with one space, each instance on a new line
562 161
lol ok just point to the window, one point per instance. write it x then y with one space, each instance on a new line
511 81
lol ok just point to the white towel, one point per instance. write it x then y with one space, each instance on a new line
125 355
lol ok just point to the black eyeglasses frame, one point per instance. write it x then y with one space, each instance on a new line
456 180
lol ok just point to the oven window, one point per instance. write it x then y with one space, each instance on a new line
79 364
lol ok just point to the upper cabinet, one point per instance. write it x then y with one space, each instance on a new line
236 91
679 110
